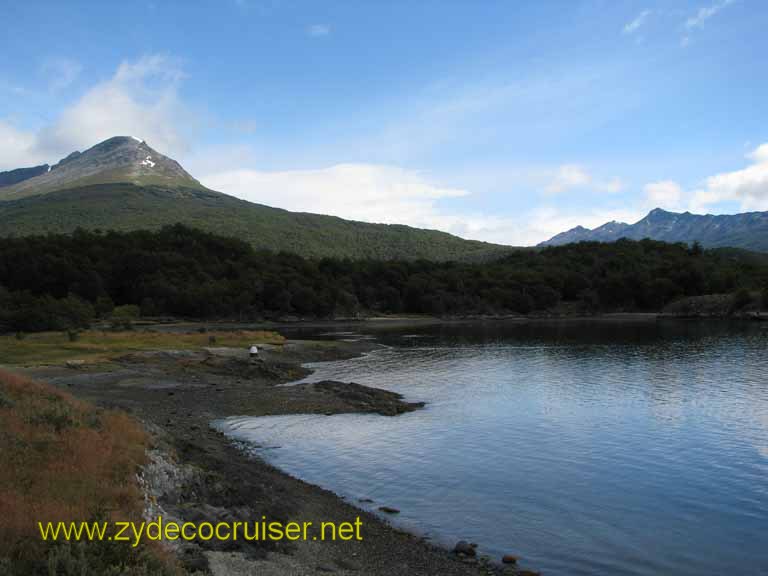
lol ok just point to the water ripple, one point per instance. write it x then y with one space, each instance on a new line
637 453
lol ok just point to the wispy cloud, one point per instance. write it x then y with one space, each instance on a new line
573 176
637 23
60 73
318 30
140 99
705 13
665 194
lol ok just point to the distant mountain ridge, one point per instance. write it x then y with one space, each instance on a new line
124 184
748 230
12 177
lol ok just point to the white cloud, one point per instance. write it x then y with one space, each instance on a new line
665 194
637 23
573 176
567 177
367 192
748 186
140 98
17 147
705 13
60 73
317 30
547 221
388 194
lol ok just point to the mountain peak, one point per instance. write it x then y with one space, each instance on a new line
119 159
659 212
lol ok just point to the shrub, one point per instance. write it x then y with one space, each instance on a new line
123 316
104 306
740 299
70 462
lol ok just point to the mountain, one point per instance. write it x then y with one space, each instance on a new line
20 174
122 159
124 184
748 230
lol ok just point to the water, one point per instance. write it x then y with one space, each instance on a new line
585 448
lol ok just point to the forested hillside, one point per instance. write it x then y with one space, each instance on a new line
125 206
124 184
60 281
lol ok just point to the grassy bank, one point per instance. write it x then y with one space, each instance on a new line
95 346
66 460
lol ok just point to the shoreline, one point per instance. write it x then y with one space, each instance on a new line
203 475
178 324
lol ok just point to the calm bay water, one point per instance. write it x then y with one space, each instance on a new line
585 448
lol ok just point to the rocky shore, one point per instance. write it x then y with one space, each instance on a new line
197 474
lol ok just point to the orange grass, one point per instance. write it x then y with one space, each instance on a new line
61 460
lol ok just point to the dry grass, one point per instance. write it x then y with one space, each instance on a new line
96 346
65 460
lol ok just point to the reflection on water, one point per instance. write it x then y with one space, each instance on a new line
598 448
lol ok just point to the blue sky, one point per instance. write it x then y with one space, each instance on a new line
503 121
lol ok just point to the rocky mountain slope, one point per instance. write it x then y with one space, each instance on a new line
119 159
123 184
748 230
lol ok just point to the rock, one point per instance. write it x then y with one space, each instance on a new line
366 500
194 561
464 547
528 573
75 364
509 559
324 568
389 510
346 564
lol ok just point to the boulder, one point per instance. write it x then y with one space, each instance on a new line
465 548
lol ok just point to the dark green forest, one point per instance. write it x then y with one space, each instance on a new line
65 281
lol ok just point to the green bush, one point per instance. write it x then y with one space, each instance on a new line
123 316
104 306
740 299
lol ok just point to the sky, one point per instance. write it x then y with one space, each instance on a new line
500 121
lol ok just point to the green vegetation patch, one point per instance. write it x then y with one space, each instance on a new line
97 346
